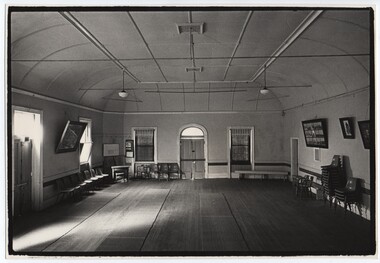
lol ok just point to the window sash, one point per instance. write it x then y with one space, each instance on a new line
240 146
86 142
144 145
85 153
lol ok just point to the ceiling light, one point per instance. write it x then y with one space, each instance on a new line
264 91
123 93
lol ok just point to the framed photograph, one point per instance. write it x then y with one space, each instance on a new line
71 136
364 127
347 125
315 132
129 148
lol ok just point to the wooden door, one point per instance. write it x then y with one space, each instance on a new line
23 177
294 157
192 158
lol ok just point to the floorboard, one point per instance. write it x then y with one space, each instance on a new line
219 216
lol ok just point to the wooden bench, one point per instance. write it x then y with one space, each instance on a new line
264 174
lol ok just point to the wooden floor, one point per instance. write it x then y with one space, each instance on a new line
201 217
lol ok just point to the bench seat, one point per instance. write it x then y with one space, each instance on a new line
263 173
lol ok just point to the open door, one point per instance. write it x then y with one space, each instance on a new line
293 157
192 158
23 177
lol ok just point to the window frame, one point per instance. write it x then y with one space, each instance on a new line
252 146
87 134
134 129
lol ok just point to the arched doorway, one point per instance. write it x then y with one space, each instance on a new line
193 152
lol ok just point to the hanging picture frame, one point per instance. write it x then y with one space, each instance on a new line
348 129
315 132
364 127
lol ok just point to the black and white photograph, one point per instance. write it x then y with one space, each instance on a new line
347 125
197 132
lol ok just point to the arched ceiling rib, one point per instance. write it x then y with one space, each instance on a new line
50 56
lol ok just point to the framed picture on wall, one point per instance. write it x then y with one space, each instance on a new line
129 148
347 125
315 132
364 127
71 136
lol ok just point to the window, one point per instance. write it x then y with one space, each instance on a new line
86 142
144 145
241 146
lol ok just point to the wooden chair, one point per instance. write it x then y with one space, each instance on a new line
140 171
174 171
163 169
101 177
154 172
76 181
350 194
95 180
304 186
90 184
99 171
65 189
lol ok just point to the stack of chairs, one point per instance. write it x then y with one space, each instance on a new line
332 178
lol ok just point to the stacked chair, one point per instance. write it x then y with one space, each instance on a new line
332 178
350 194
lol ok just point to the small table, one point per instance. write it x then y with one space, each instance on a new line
120 168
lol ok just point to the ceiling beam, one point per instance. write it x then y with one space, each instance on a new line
238 43
146 45
288 41
199 58
69 17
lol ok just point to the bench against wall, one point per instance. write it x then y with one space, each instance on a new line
264 174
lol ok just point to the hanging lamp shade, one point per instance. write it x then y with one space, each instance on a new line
264 90
123 93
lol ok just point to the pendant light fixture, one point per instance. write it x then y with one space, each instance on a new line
264 90
123 93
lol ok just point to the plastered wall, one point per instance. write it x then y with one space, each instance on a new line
55 116
357 162
268 134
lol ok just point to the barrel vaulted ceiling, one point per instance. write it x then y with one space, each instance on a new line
301 56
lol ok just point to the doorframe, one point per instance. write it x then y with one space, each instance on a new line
252 128
291 155
205 148
37 167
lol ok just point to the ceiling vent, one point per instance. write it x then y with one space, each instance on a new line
194 69
190 27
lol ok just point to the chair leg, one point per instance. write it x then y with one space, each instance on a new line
345 207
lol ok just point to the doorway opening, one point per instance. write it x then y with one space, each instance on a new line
293 157
193 152
27 179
